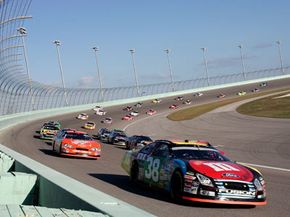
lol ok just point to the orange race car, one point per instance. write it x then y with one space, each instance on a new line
77 144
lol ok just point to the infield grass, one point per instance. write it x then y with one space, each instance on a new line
271 107
195 111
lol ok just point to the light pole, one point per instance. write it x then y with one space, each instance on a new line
170 69
96 49
205 65
280 56
57 45
242 60
132 51
23 32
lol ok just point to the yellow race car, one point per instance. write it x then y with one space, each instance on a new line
90 125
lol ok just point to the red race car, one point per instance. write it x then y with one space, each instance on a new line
151 112
77 144
127 118
173 106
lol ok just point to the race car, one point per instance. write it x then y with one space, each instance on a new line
151 112
195 173
173 106
264 84
198 94
128 118
187 102
241 93
134 113
97 108
155 101
101 112
128 108
136 141
83 116
179 98
48 131
52 123
90 125
255 90
102 134
117 137
107 120
138 104
77 144
221 96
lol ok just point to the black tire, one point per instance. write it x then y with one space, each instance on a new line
53 145
134 172
176 187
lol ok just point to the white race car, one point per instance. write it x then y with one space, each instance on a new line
97 108
134 113
101 112
198 94
107 120
83 116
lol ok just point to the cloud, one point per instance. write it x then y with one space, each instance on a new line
227 61
262 45
87 82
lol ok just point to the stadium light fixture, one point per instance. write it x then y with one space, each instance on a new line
167 51
280 56
57 45
242 61
96 49
132 51
205 64
23 32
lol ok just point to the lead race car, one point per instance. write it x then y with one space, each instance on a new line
193 172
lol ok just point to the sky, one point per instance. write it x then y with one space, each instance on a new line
149 27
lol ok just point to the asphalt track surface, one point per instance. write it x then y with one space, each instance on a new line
247 139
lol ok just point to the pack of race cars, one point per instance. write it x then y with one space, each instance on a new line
188 170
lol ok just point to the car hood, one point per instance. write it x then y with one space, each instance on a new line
222 170
81 143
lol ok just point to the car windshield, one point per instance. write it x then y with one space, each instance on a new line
78 136
198 154
51 128
121 134
144 138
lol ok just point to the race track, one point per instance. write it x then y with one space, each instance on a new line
260 141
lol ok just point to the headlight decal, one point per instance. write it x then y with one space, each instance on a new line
204 180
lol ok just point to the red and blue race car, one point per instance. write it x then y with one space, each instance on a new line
195 172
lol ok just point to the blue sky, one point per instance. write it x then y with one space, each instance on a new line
183 26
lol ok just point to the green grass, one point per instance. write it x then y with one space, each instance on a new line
267 107
195 111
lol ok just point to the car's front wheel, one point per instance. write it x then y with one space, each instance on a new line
176 186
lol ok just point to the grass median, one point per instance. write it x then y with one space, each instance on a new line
272 107
195 111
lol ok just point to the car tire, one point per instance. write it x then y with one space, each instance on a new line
53 146
134 172
176 186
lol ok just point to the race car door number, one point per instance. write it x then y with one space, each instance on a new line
152 170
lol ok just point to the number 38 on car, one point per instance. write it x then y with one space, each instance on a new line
195 172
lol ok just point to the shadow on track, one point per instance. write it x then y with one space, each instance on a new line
123 182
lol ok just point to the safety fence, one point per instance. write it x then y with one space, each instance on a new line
18 93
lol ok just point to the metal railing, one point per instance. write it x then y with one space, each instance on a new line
19 94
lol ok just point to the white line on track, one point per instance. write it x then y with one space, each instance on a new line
268 167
